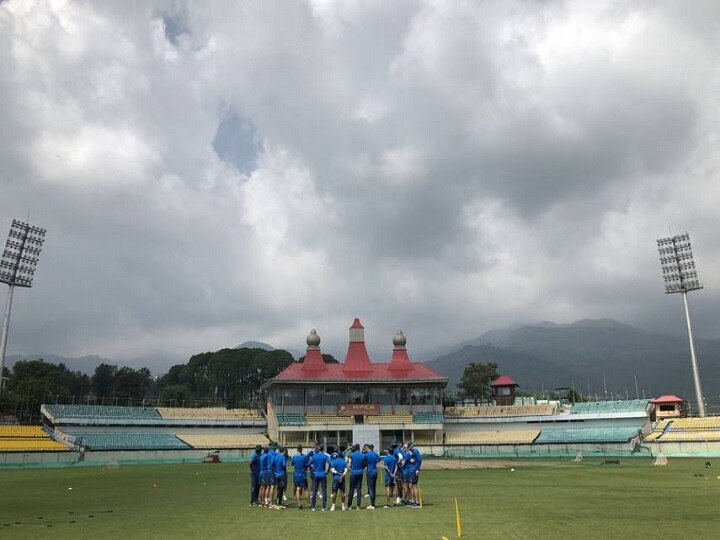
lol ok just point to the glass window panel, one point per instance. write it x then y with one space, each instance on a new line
314 396
382 396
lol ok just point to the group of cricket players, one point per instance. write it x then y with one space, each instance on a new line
399 466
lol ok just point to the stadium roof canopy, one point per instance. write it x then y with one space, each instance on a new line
357 366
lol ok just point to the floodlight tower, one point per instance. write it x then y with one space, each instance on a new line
17 268
678 268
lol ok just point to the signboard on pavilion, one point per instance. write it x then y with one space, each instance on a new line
364 409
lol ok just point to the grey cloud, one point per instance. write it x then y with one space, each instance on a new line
211 173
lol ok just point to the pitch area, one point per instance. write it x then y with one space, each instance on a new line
539 499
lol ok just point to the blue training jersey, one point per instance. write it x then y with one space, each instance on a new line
339 465
280 465
406 465
417 459
390 463
358 461
300 465
264 462
319 463
272 454
372 461
399 457
255 463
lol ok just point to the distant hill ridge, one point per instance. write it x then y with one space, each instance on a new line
594 353
255 345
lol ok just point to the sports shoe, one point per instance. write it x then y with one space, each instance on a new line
386 506
397 501
284 498
343 507
357 508
323 510
312 509
332 508
371 507
367 495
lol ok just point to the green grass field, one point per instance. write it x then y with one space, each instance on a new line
540 499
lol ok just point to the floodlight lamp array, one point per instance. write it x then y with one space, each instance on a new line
678 266
21 255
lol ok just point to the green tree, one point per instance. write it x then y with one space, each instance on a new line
327 358
228 376
45 381
175 394
475 381
132 384
103 379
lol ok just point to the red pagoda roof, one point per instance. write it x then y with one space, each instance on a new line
667 399
504 380
357 365
377 372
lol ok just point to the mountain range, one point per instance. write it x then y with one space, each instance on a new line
600 356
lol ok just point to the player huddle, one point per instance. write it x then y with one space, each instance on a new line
399 468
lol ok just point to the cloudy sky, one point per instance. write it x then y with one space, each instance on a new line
214 172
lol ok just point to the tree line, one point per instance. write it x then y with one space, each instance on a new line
224 378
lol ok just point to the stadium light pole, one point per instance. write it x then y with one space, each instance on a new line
17 268
678 268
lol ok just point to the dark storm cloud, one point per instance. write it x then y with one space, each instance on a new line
216 172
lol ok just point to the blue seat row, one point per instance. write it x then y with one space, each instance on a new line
129 441
586 435
102 411
618 406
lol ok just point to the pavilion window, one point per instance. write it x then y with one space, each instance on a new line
314 396
293 397
359 395
382 396
332 397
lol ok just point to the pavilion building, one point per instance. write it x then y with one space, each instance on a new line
358 400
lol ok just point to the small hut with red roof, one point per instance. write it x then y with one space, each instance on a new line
668 406
503 390
400 399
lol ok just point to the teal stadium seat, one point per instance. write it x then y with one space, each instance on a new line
290 419
428 418
129 441
586 435
618 406
102 412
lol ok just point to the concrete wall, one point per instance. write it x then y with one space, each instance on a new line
99 459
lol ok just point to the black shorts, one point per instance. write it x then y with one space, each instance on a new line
338 485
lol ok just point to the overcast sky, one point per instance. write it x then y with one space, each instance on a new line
215 172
